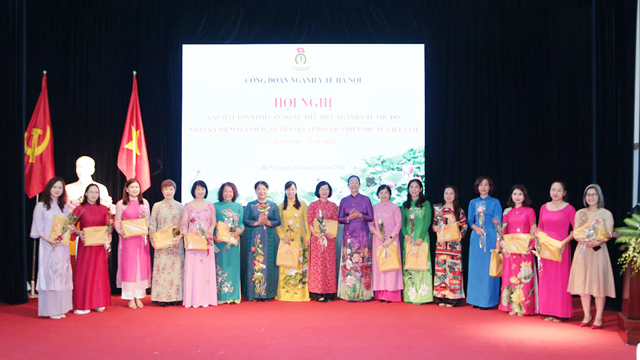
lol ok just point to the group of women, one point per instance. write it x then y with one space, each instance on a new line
200 278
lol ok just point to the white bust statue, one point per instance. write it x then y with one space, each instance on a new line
85 168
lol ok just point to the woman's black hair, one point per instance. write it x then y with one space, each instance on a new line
421 197
353 176
383 187
202 184
45 197
85 199
255 187
321 184
456 201
527 199
296 204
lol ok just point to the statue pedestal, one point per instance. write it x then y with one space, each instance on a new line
629 317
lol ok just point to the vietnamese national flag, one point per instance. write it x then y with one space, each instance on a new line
133 160
38 146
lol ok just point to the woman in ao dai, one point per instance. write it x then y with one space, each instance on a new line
199 215
354 283
168 263
483 291
228 259
55 280
322 251
416 218
519 281
385 227
556 218
261 218
292 283
448 281
134 262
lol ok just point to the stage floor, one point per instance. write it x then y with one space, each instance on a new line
310 330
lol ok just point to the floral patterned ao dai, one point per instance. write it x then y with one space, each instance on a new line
354 283
293 283
519 281
228 259
168 263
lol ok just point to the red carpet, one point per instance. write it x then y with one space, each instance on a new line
303 331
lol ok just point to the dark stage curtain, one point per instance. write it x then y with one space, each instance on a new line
524 91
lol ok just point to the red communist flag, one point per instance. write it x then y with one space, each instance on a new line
38 146
133 160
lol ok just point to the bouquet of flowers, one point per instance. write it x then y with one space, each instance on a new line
381 226
439 217
322 227
290 230
498 226
538 248
232 222
64 235
480 211
412 221
203 232
107 245
590 234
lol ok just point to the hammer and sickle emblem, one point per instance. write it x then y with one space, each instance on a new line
36 149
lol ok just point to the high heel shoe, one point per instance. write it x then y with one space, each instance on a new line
597 327
585 324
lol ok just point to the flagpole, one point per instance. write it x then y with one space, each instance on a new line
32 294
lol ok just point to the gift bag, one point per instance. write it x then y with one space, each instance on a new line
450 232
135 227
549 247
196 242
96 235
600 235
56 229
495 266
517 243
332 227
223 233
164 238
288 255
388 258
416 257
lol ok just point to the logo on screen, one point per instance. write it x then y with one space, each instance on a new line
300 60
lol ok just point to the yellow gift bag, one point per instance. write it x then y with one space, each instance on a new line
600 235
549 247
332 227
196 242
416 257
517 243
388 258
56 229
495 266
451 232
164 238
288 255
96 235
135 227
223 233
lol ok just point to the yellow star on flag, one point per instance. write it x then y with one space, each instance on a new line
133 145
